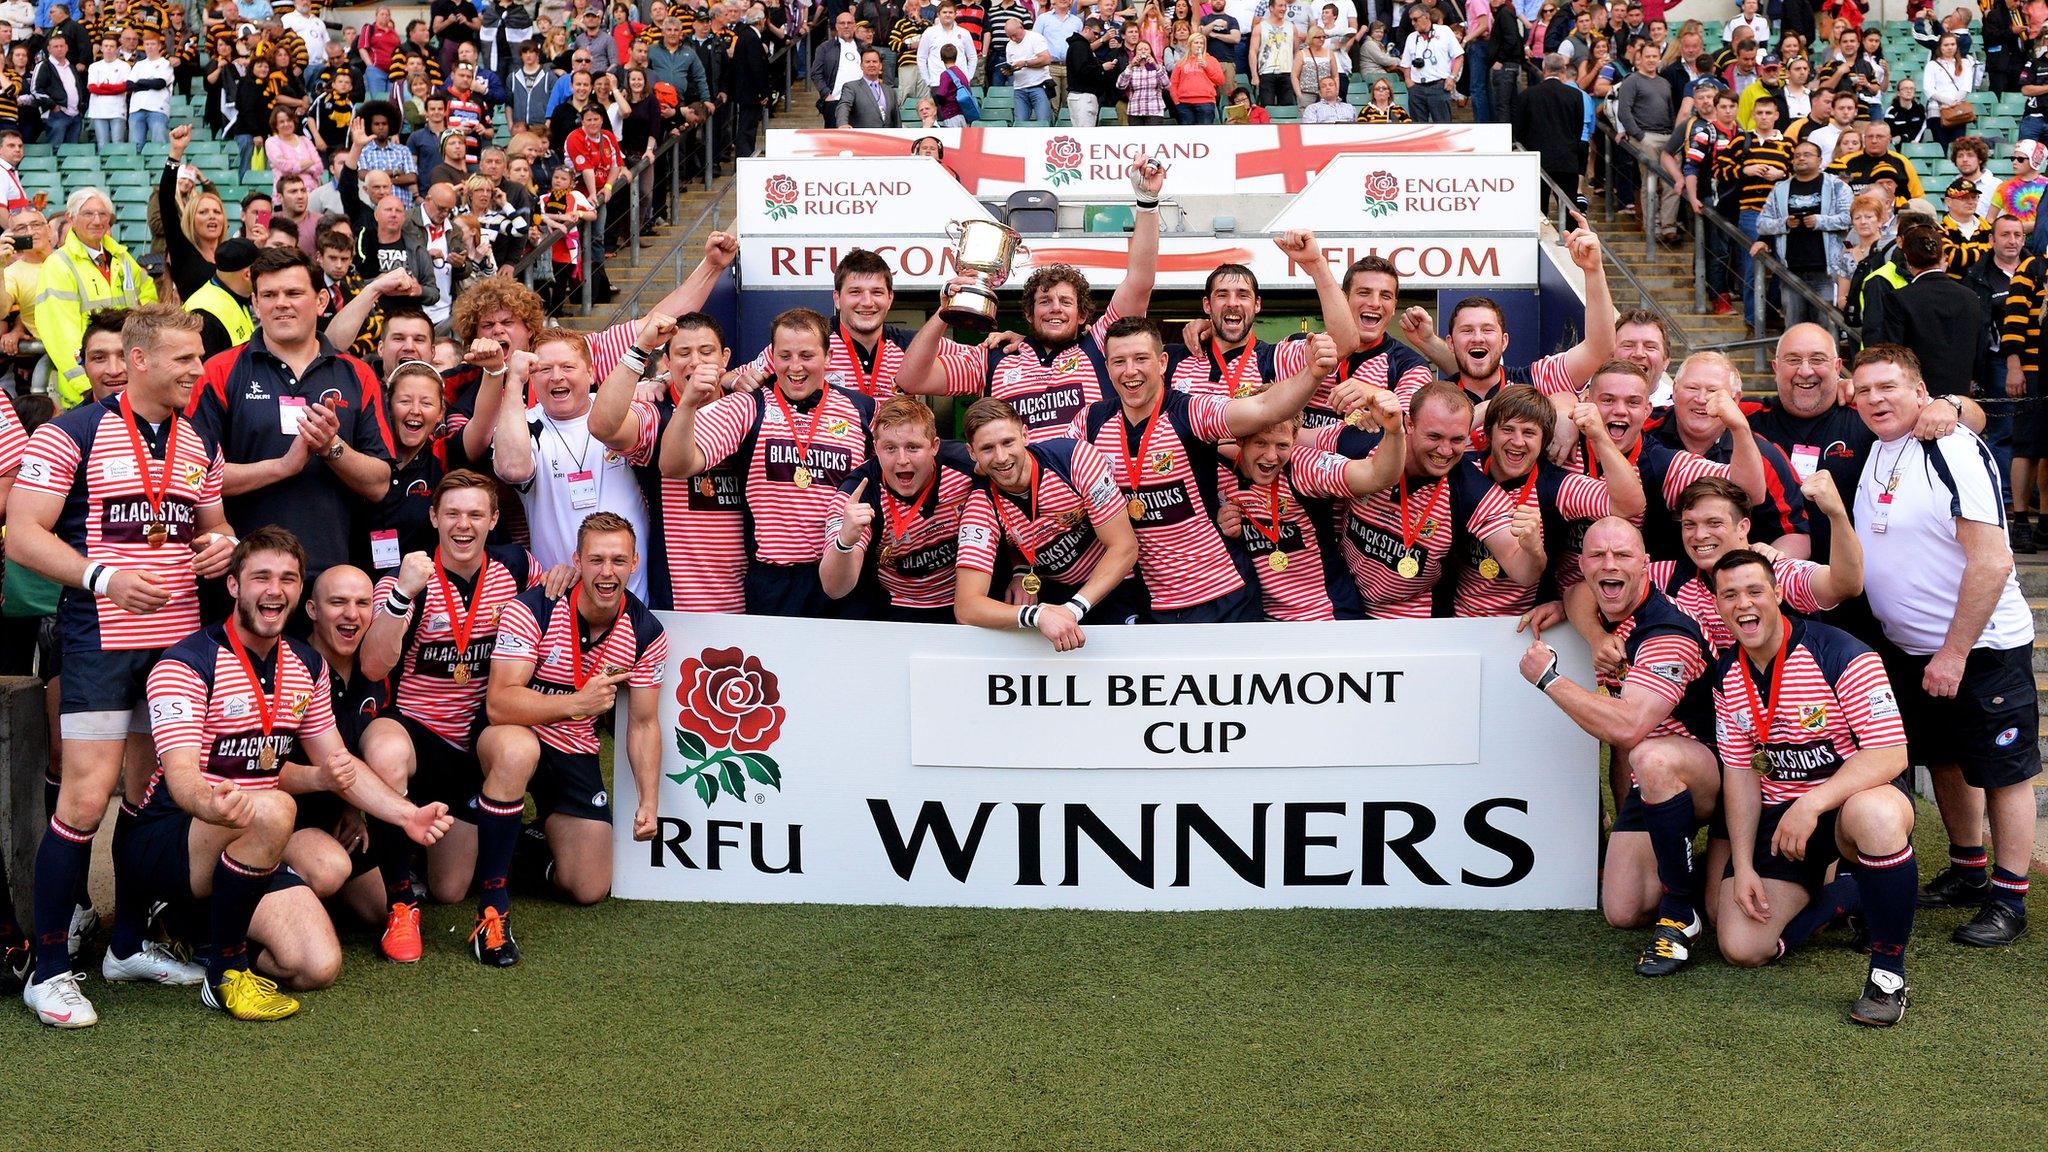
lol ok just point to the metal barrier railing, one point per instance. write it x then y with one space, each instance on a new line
1680 340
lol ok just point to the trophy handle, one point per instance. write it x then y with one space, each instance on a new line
953 231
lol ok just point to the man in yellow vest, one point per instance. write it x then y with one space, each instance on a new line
89 271
223 301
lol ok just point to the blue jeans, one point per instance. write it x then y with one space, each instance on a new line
1746 221
376 82
1195 113
62 128
154 127
1031 106
2034 128
246 146
109 130
1477 56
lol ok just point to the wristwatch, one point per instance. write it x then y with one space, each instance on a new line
334 450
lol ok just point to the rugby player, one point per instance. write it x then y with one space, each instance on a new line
120 502
1058 372
341 605
1372 291
863 352
911 491
1707 420
232 706
1057 506
1657 716
1812 755
437 622
1222 355
557 666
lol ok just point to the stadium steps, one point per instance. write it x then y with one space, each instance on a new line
1667 277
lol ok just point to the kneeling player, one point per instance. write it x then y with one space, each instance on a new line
331 847
1811 754
1057 507
231 705
557 666
1660 722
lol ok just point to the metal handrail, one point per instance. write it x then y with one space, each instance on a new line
1675 332
630 306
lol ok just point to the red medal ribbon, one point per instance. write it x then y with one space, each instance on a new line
1251 351
1031 514
266 711
1760 720
1123 431
1408 537
576 671
1593 460
869 382
803 443
1273 514
894 513
155 499
1528 485
461 626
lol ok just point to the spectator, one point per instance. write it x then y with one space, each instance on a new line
290 154
388 246
425 140
1806 219
1315 59
107 81
1748 18
192 231
375 43
1242 111
1329 108
1971 155
454 165
149 94
469 109
1222 34
1144 84
223 301
951 82
1548 121
2020 195
1507 55
252 110
1937 316
1380 107
750 87
1643 106
1906 116
946 31
90 271
503 227
1431 59
870 103
1868 248
1375 56
835 65
1027 61
427 231
568 115
569 211
1273 42
1949 78
455 22
333 114
529 90
1089 85
1196 81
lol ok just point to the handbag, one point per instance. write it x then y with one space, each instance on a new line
970 108
1957 115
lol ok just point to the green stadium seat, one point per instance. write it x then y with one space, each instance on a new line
1923 151
38 164
122 178
1284 115
2012 104
67 151
1108 218
122 158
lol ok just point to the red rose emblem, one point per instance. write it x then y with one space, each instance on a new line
1382 186
781 190
1063 152
730 700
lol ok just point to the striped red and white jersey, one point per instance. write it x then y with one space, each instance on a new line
849 366
1048 387
1440 514
785 521
912 545
703 534
428 691
1687 588
1665 653
1052 527
1563 498
1664 473
1547 375
13 441
1300 588
1181 556
1249 369
1389 366
547 635
87 457
201 696
609 347
1832 702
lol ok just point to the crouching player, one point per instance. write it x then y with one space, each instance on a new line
231 706
1811 754
1659 721
559 664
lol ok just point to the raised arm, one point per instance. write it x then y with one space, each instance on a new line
1586 357
512 447
1246 415
1134 295
1339 320
613 405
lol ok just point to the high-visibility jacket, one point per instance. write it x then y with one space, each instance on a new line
216 301
74 289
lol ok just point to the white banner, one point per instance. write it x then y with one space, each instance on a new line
1356 764
1084 164
1404 194
1185 260
897 195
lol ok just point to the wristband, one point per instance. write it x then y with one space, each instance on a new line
1147 205
490 375
635 358
99 577
397 603
842 549
1079 606
1027 616
1550 676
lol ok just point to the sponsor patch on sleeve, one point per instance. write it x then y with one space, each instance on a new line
1883 704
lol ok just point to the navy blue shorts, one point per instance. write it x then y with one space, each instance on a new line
1810 873
158 856
1240 607
442 772
569 784
789 590
322 812
96 680
1125 604
1990 728
1629 816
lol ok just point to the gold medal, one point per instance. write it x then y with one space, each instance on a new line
1136 508
802 477
888 554
1489 569
1409 567
1761 762
156 533
705 487
1031 583
459 673
1244 390
1354 419
266 758
1277 561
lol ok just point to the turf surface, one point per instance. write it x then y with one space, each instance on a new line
707 1026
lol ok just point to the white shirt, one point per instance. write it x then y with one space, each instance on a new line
11 191
154 99
1824 138
849 66
1941 87
1913 567
1024 48
930 66
1756 24
22 15
99 107
562 449
438 237
1436 51
312 29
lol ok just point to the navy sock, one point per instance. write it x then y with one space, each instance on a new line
1670 825
81 889
497 834
392 849
131 907
2009 889
1969 861
1890 887
237 887
61 862
1840 897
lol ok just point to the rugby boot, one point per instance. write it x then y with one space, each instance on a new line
1883 1002
246 996
58 1002
401 943
491 941
1670 948
152 963
16 963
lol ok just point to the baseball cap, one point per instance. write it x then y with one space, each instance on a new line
1770 61
1961 186
234 255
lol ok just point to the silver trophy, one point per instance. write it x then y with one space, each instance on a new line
984 250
